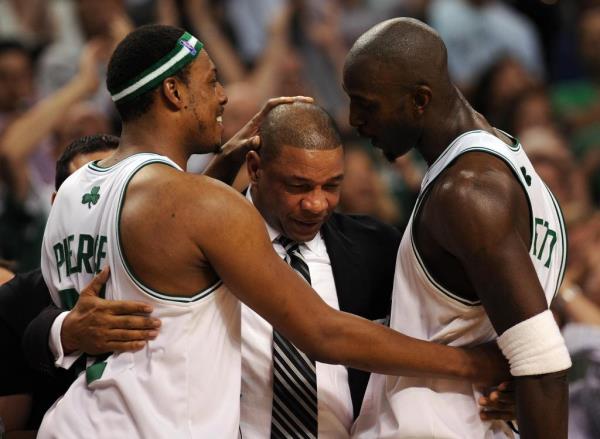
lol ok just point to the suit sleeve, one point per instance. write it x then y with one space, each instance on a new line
35 341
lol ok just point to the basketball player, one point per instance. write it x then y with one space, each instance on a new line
483 254
192 247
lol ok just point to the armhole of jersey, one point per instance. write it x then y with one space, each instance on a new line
146 289
431 279
435 283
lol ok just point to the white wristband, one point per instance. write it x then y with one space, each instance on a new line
535 346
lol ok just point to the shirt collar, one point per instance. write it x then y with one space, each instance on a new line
315 245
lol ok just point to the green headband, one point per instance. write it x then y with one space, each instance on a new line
185 51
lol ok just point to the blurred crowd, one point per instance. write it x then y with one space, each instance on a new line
532 67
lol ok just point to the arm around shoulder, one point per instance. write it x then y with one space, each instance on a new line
235 242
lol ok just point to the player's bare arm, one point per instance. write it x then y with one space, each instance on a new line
209 221
478 213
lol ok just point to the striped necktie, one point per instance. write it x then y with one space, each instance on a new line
294 412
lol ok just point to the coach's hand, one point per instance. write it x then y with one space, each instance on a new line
96 326
499 403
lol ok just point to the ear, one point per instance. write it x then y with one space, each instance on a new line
172 90
422 98
253 163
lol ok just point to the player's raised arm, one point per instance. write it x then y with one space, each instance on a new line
234 240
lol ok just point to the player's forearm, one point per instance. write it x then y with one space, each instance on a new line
542 405
364 345
226 165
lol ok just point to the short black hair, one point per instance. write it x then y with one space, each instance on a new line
137 52
12 45
299 125
83 145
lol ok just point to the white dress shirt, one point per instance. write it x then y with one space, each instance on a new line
333 392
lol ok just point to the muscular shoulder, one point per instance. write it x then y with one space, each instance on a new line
474 200
185 198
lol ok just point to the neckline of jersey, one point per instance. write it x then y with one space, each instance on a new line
96 167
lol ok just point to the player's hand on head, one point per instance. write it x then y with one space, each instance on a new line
247 138
96 325
499 403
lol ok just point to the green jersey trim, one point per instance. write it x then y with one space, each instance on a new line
95 167
564 236
146 289
515 147
95 372
431 279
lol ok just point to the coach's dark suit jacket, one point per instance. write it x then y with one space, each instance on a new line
27 365
362 251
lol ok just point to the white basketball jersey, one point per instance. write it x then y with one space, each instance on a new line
183 384
400 407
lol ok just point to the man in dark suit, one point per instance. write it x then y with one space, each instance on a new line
296 178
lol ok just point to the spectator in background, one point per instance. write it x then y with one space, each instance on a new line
104 22
577 103
16 80
500 84
578 300
249 21
529 109
364 191
478 32
28 151
28 20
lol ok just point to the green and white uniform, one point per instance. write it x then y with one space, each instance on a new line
400 407
183 384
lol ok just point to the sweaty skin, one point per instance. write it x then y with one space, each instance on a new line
474 227
218 233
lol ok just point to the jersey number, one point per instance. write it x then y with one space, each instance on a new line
549 235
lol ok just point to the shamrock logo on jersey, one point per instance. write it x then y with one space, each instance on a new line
92 197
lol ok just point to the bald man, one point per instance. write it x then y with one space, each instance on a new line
484 251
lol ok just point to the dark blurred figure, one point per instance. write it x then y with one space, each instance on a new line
577 102
502 82
30 143
529 109
16 79
365 190
104 23
31 21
